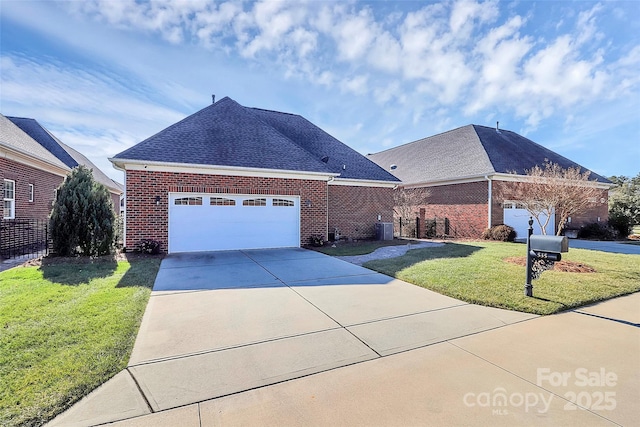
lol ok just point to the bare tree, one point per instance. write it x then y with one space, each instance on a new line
406 202
553 189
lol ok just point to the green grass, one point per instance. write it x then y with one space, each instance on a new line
66 329
477 273
362 247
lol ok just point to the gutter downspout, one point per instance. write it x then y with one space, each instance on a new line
489 200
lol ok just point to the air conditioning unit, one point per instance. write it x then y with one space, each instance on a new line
384 230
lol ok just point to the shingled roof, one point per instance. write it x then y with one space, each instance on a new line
229 134
15 138
469 151
62 152
32 128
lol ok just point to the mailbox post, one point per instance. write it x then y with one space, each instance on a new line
528 287
542 248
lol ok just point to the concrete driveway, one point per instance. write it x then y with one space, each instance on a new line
294 337
605 246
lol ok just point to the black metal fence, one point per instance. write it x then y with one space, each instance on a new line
23 237
430 228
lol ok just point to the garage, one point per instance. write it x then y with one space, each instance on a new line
212 222
516 216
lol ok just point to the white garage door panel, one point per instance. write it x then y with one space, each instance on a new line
204 227
518 218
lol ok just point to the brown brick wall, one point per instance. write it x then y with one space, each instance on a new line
464 205
44 183
354 210
146 220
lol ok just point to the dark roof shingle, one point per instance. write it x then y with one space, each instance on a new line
469 151
32 128
229 134
65 154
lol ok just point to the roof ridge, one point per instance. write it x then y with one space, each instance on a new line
310 154
421 139
274 111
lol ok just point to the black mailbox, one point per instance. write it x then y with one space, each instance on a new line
554 244
542 252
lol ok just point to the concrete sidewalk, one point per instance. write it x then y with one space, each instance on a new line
295 337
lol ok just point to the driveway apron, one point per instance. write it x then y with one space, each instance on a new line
220 323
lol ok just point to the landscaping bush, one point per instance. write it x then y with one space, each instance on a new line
620 223
150 246
502 233
597 231
317 240
82 218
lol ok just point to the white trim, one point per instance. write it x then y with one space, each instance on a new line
527 178
461 180
489 200
494 176
125 164
363 183
12 211
32 192
13 154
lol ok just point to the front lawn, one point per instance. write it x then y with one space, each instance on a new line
362 247
66 329
477 273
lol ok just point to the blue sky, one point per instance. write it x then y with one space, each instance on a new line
103 75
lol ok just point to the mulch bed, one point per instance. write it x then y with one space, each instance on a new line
563 266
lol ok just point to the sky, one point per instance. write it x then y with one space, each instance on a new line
103 75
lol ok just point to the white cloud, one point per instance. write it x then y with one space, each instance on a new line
356 85
95 108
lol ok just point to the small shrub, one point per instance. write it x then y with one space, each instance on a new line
620 223
501 233
150 246
597 231
317 240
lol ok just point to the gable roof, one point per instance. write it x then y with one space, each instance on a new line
62 152
338 157
98 175
469 151
36 131
11 136
231 135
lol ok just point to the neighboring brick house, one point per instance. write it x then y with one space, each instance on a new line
67 155
233 177
469 172
30 174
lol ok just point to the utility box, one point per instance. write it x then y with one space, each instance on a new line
384 230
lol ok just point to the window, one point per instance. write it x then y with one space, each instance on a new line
190 201
221 201
254 202
282 202
9 204
31 192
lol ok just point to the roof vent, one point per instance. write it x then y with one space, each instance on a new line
393 167
498 127
325 159
344 167
213 98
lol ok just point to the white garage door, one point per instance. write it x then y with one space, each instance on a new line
518 218
212 222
